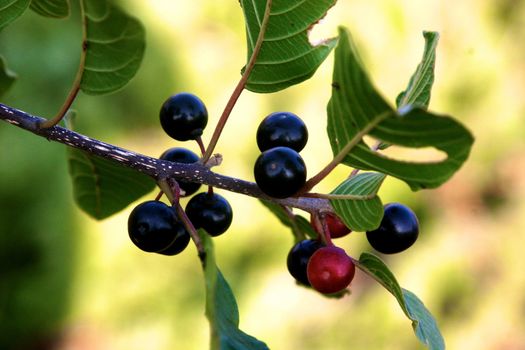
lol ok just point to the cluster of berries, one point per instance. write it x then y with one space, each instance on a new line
328 269
280 172
153 226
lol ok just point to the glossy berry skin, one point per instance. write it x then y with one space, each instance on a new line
330 270
183 155
298 257
212 212
282 129
335 225
153 227
183 116
280 172
180 243
398 230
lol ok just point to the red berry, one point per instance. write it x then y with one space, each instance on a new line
336 226
330 270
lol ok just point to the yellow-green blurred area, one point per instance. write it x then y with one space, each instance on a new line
69 282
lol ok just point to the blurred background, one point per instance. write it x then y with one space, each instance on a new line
69 282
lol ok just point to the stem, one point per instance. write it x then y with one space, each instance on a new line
159 196
329 196
201 145
76 83
342 154
172 190
153 167
240 86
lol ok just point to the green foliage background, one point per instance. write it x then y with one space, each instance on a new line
66 279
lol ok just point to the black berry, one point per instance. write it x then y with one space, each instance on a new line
180 243
183 116
280 172
282 129
298 257
330 270
398 230
183 155
210 211
153 227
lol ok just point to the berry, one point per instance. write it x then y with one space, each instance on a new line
330 270
298 257
212 212
179 244
398 230
280 172
282 129
182 155
336 226
153 227
183 116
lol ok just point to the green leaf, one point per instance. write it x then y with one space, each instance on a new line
420 84
115 47
423 322
221 307
7 77
286 56
426 328
102 187
11 10
298 224
360 214
357 109
51 8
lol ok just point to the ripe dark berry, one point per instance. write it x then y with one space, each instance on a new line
212 212
280 172
183 155
183 116
330 270
180 243
398 230
282 129
153 227
298 257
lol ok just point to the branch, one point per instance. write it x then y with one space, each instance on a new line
153 167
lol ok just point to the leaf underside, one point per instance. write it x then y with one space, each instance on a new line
360 214
115 48
424 324
221 308
11 10
51 8
101 187
355 107
7 77
286 57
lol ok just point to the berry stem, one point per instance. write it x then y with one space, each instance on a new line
240 85
159 196
321 227
171 188
76 83
201 145
342 154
